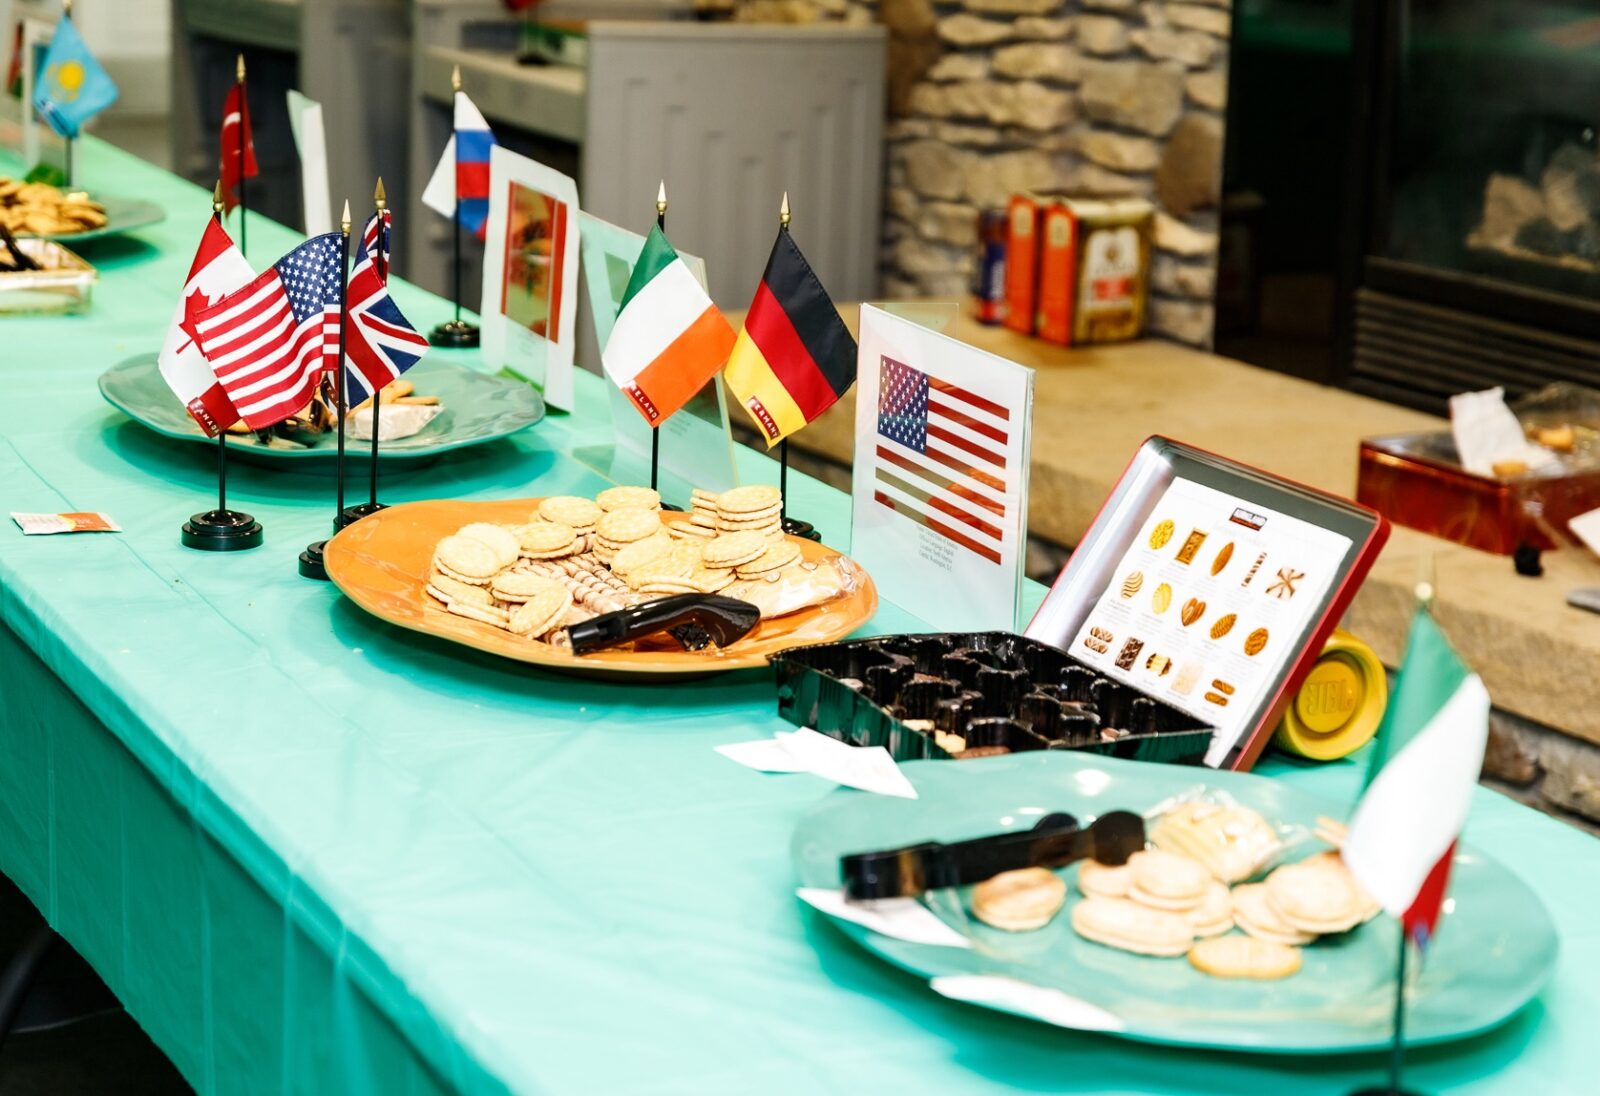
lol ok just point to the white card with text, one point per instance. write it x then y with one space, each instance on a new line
940 482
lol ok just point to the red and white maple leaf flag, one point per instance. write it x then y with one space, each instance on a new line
218 269
1425 766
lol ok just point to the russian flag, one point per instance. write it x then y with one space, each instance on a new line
462 173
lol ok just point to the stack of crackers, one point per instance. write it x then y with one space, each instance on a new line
576 558
39 209
1188 894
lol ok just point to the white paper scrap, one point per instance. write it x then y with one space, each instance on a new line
764 755
868 768
1487 433
1586 527
865 768
1050 1005
897 918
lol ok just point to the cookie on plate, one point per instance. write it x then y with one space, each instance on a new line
1244 957
1019 901
1120 923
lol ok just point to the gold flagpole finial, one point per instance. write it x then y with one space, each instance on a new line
217 204
1426 583
238 68
344 220
661 197
455 78
379 197
66 8
783 212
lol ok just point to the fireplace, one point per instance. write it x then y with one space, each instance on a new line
1477 261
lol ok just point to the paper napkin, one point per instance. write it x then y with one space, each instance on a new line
1013 995
1487 432
897 918
867 768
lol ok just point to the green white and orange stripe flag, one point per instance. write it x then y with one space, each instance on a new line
795 356
1429 751
669 339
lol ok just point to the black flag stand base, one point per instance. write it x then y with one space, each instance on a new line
311 563
352 514
222 531
454 335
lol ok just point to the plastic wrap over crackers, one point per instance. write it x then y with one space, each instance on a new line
969 695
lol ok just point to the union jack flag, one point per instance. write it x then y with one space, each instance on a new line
380 344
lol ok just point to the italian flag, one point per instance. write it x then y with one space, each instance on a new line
1428 755
669 339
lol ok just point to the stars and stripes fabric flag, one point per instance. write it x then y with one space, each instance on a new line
269 342
73 87
218 269
794 357
669 339
237 145
379 342
941 458
1429 751
462 174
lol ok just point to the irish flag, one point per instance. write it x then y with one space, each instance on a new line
1429 751
669 338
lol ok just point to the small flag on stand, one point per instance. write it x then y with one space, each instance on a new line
380 343
218 270
237 145
1425 768
462 173
669 339
794 357
73 87
269 342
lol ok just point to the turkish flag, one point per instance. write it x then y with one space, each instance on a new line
237 145
218 269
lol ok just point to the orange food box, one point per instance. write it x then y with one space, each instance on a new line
1022 262
1058 260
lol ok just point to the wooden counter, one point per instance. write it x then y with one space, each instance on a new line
1094 406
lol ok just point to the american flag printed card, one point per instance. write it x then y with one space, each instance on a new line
940 484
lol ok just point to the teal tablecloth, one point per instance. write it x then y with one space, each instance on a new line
314 853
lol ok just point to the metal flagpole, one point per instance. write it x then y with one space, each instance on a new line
457 332
66 12
790 526
244 204
342 378
380 202
655 431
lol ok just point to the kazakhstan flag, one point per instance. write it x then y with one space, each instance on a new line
72 86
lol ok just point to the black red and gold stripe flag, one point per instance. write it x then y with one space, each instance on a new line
794 356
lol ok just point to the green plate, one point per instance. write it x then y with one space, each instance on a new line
122 215
1495 947
478 408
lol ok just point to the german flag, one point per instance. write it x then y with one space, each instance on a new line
794 356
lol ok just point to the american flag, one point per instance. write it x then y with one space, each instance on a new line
380 344
942 457
269 342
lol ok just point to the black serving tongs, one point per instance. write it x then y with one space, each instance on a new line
1054 842
695 620
20 259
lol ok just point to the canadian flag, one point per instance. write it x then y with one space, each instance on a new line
218 269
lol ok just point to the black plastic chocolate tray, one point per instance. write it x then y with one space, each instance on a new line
995 691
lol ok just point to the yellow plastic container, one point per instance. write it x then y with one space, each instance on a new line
1340 704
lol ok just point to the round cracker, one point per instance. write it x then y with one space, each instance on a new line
1316 896
538 537
628 498
482 614
1168 880
469 557
497 537
1019 901
733 549
640 552
1097 880
520 585
580 513
1253 912
619 527
748 499
1244 957
540 613
772 558
453 589
1119 923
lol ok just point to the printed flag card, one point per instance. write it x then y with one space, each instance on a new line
940 483
530 273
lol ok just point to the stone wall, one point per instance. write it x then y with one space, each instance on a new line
1086 97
